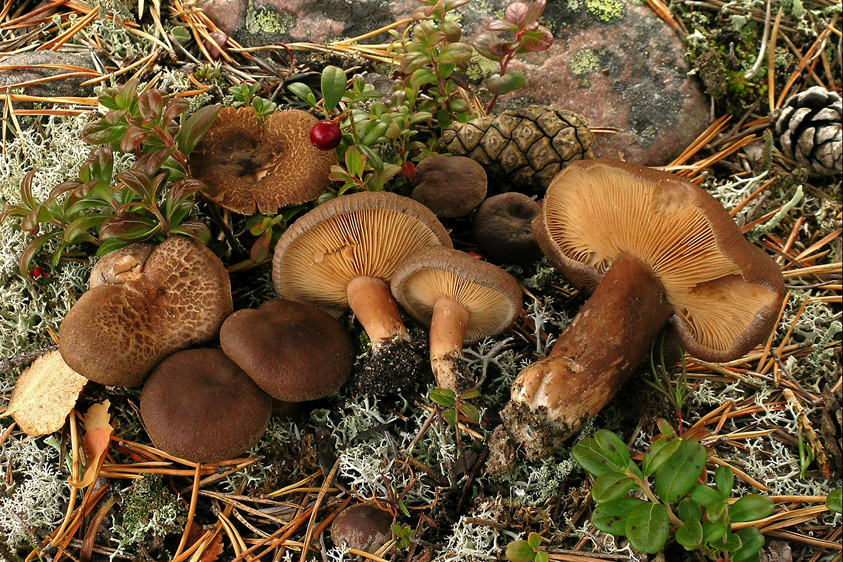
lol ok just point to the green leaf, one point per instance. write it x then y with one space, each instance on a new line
373 157
193 229
422 76
661 450
732 542
540 557
130 226
101 164
80 226
592 458
110 245
534 540
444 397
689 509
455 53
614 448
713 531
354 161
333 86
32 249
834 500
705 496
690 534
647 527
195 127
751 508
450 416
470 411
610 517
611 486
302 91
509 82
677 474
519 551
724 478
374 134
752 541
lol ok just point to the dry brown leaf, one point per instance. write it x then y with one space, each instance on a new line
95 442
44 395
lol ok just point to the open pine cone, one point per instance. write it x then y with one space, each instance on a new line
526 146
808 130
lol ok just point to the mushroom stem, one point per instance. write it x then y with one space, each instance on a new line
374 307
593 357
447 332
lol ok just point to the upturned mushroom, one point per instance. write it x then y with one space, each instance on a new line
362 527
462 299
198 405
656 251
343 253
145 304
250 166
450 186
502 228
294 351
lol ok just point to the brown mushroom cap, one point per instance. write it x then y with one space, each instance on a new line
293 351
450 186
121 265
116 333
360 235
502 228
725 292
198 405
491 296
362 527
250 167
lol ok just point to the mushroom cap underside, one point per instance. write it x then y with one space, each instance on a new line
725 292
249 166
489 294
363 234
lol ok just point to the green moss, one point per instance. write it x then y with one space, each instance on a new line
584 61
150 510
607 11
267 20
480 67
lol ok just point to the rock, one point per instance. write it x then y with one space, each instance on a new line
31 71
613 61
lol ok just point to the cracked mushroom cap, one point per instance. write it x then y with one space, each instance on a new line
450 186
362 234
198 405
115 334
725 292
293 351
121 265
491 296
250 167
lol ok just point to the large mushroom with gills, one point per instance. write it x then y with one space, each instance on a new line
655 251
461 298
343 253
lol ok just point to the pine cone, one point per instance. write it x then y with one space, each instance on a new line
527 146
808 130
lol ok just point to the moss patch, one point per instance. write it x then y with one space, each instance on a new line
268 21
584 61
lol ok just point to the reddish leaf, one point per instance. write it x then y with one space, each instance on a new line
95 443
151 105
539 40
516 13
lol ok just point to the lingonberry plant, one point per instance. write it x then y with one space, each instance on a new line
698 515
150 201
518 32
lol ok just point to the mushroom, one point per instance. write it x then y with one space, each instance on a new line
121 265
362 527
295 352
660 251
461 298
450 186
249 166
198 405
343 254
502 228
117 332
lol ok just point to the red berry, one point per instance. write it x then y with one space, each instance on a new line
325 135
38 272
33 231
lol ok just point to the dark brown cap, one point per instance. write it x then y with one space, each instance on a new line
199 406
293 351
116 333
362 527
726 293
450 186
250 167
502 228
